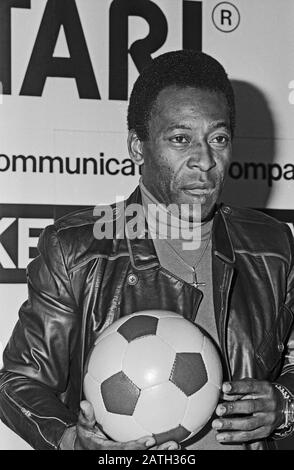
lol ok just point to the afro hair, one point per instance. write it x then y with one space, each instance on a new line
183 68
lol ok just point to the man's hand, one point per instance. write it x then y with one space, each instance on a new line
90 437
252 410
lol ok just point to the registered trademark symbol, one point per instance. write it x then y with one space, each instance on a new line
226 17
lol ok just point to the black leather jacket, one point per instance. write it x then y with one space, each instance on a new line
78 285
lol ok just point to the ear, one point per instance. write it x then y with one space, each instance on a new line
135 147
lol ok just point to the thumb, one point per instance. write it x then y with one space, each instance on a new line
87 416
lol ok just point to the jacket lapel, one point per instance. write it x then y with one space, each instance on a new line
223 270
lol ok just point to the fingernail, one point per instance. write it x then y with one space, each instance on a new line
227 387
150 442
217 424
220 410
221 437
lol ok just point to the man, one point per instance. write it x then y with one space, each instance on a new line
237 284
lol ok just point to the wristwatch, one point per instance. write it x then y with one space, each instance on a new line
287 427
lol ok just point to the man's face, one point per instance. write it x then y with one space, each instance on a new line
188 150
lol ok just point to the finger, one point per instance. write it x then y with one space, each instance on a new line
238 424
145 442
170 445
86 416
246 423
91 439
227 397
243 436
244 407
246 386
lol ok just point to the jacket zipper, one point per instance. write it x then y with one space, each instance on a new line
30 414
9 380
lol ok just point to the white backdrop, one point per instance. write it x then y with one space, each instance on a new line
60 147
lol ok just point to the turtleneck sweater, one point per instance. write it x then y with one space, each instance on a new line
190 265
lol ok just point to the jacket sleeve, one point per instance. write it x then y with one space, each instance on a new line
37 357
287 375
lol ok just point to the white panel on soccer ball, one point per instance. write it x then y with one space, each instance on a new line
93 395
212 362
200 407
122 428
160 408
181 334
148 361
106 357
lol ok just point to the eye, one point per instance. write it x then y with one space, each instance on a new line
180 139
220 140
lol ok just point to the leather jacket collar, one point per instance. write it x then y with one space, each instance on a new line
142 251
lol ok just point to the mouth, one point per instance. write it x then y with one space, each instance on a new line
197 190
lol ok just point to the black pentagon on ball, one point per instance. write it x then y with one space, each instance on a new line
177 434
137 326
188 372
120 394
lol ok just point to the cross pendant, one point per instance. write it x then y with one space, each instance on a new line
196 283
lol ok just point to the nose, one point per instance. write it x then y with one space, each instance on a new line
201 158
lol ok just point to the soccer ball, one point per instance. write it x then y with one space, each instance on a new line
153 373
